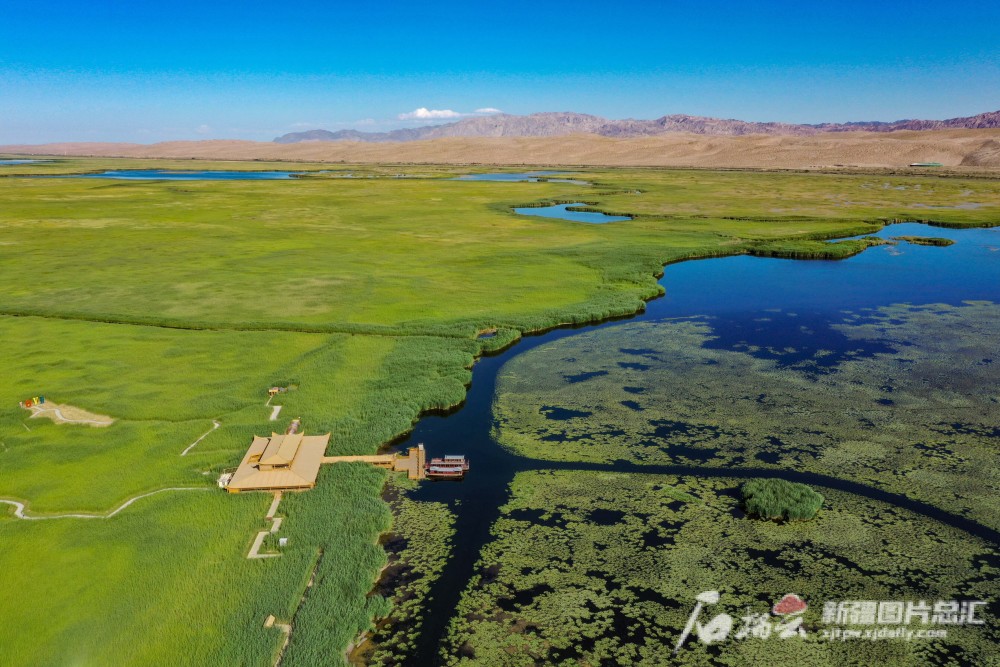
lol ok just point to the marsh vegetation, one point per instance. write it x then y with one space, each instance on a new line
780 499
925 240
171 305
418 547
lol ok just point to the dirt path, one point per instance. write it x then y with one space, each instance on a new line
258 542
20 508
275 526
215 425
285 628
274 505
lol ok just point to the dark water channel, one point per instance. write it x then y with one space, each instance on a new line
769 303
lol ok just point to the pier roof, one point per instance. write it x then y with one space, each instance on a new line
280 462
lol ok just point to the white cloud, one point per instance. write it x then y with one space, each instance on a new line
203 129
488 110
423 113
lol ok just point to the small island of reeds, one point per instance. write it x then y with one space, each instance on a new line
924 240
780 499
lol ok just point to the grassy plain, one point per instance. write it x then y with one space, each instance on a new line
409 255
166 582
762 203
168 305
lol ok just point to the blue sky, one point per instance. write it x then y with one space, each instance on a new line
145 71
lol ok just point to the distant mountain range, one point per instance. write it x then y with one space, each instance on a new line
553 124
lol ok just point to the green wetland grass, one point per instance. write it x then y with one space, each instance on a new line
407 255
763 201
168 305
924 240
167 581
811 249
363 389
163 387
779 499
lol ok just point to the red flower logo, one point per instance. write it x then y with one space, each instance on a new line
790 604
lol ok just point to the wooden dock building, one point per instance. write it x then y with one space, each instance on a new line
280 462
291 461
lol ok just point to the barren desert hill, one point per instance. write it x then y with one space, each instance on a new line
554 124
962 148
987 155
545 124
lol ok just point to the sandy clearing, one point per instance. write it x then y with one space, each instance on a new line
68 414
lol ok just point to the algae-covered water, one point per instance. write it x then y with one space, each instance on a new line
606 463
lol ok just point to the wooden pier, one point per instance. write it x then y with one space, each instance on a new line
412 463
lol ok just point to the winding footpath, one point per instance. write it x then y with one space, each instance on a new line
20 508
215 425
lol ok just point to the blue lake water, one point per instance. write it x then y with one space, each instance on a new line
562 212
11 162
761 301
882 275
170 175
